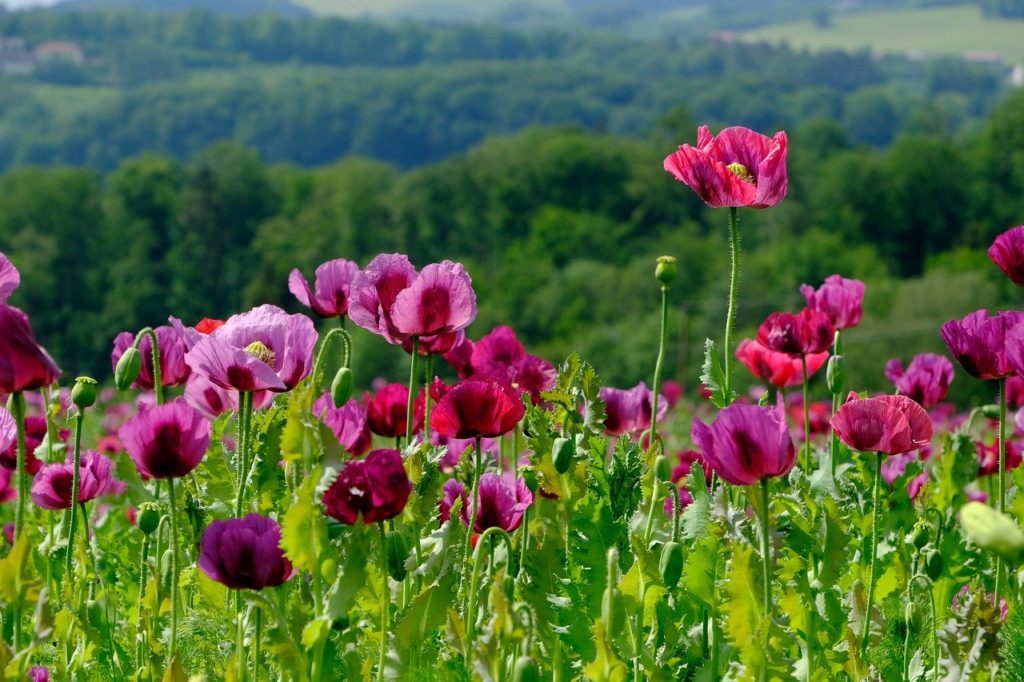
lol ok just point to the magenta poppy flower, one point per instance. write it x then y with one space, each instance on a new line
1007 251
746 444
456 446
819 411
840 298
803 333
388 409
173 370
738 167
166 441
480 406
988 457
895 466
684 497
8 430
672 391
374 291
926 380
24 365
331 288
916 485
628 410
212 401
51 488
244 554
684 465
778 369
436 345
1014 392
347 423
8 492
10 278
460 357
501 354
891 424
263 349
374 489
39 673
35 434
982 344
501 502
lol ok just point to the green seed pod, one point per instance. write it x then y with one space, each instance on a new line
341 387
835 373
918 537
671 564
662 469
561 453
990 411
933 564
128 368
665 271
397 551
83 394
993 531
527 670
148 517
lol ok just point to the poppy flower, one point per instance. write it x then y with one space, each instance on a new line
840 298
347 423
819 412
263 349
173 370
51 488
331 287
672 391
212 401
10 278
480 406
387 411
435 345
781 370
628 410
35 434
244 553
8 492
926 380
891 424
738 167
166 441
501 354
374 489
1014 392
746 444
988 457
804 333
24 364
460 357
39 673
501 502
895 466
456 446
982 344
1007 251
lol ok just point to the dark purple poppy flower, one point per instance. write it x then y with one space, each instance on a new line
892 424
806 332
244 554
436 345
10 278
331 288
374 489
263 349
24 365
173 370
501 501
166 441
460 357
746 444
496 352
983 345
628 410
479 406
387 410
1007 251
840 298
347 423
52 486
925 380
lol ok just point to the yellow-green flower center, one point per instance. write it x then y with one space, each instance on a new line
258 350
742 173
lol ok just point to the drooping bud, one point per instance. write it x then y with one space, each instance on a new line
341 387
912 617
662 469
835 373
613 610
993 531
16 405
933 564
83 394
529 475
990 411
561 454
740 171
671 564
527 670
148 517
665 271
261 352
918 537
128 368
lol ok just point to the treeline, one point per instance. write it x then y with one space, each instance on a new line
558 227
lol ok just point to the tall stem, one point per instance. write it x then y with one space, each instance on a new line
140 635
485 541
837 396
16 406
866 627
174 568
385 606
244 426
158 385
75 481
426 396
257 637
242 667
412 390
477 459
1001 499
766 557
662 338
734 276
807 415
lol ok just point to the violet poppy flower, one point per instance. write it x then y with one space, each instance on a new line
988 457
374 291
39 673
436 345
166 441
501 502
460 357
501 354
684 497
1007 251
746 444
628 410
35 434
212 401
51 488
480 406
244 554
916 485
738 167
374 489
895 466
803 333
173 370
840 298
7 491
263 349
347 423
10 278
672 391
819 411
926 380
331 288
24 364
781 370
387 410
8 430
981 344
890 424
456 446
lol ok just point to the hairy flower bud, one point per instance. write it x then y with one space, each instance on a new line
526 670
341 387
128 368
993 531
561 454
835 373
148 517
671 564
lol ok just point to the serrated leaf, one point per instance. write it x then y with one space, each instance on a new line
697 514
303 529
607 666
744 623
713 376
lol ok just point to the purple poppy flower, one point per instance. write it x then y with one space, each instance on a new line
263 349
7 491
244 553
804 333
10 278
916 485
8 430
628 410
24 365
331 288
926 380
212 401
982 344
840 298
501 502
173 370
52 486
39 673
746 444
1007 251
348 423
892 424
895 466
460 357
375 489
35 433
501 354
374 291
456 446
436 345
166 441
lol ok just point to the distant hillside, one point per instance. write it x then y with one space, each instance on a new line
235 7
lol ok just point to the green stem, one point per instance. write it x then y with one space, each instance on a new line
426 397
734 276
515 451
256 643
837 397
1001 500
75 481
766 557
525 542
481 546
158 386
478 457
662 339
16 406
240 653
140 635
866 627
346 341
807 415
385 606
244 426
412 390
174 569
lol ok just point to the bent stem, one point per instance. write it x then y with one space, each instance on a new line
75 482
866 627
1001 483
481 545
158 385
346 342
385 607
734 276
412 391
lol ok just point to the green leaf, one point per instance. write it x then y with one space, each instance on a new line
697 514
303 530
699 570
607 666
744 623
713 376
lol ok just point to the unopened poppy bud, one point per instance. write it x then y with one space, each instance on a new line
662 469
918 537
665 271
16 405
993 531
527 670
397 551
340 624
341 387
613 612
83 394
835 373
990 411
671 564
148 517
933 564
328 569
334 529
561 454
128 368
911 617
530 478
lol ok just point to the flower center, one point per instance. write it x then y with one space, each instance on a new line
258 350
742 173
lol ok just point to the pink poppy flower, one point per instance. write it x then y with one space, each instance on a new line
331 288
51 488
988 456
926 380
8 491
1007 251
387 411
804 333
891 424
982 344
173 370
347 423
10 278
212 401
840 298
166 441
24 364
456 446
35 433
501 502
372 489
460 357
628 410
778 369
479 406
746 444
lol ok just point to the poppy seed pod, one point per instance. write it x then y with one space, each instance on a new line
148 517
665 270
83 394
662 469
128 367
933 564
341 387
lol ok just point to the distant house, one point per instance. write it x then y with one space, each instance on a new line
59 51
15 57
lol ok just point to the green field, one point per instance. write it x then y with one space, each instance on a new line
936 31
